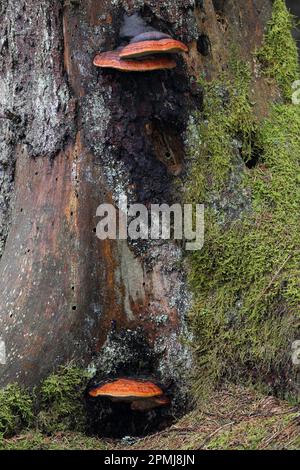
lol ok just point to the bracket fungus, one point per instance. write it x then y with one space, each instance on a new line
145 44
112 60
144 48
142 395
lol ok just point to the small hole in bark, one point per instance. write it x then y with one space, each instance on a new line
219 5
255 157
74 307
199 4
204 45
168 146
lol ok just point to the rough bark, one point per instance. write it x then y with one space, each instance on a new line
294 6
73 137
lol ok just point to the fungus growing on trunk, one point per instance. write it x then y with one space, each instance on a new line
149 403
144 41
141 394
144 48
112 60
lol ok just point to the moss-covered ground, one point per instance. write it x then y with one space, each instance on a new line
235 418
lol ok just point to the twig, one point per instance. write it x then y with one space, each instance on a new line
270 415
291 442
271 438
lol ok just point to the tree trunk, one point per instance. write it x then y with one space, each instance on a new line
73 137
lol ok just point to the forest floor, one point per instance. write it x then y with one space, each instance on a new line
234 418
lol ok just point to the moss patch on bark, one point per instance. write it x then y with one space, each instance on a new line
278 54
246 279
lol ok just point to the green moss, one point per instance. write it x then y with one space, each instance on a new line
61 401
243 436
16 410
60 441
220 442
227 114
246 279
56 406
279 54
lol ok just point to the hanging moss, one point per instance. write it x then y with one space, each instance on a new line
16 410
246 279
279 55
